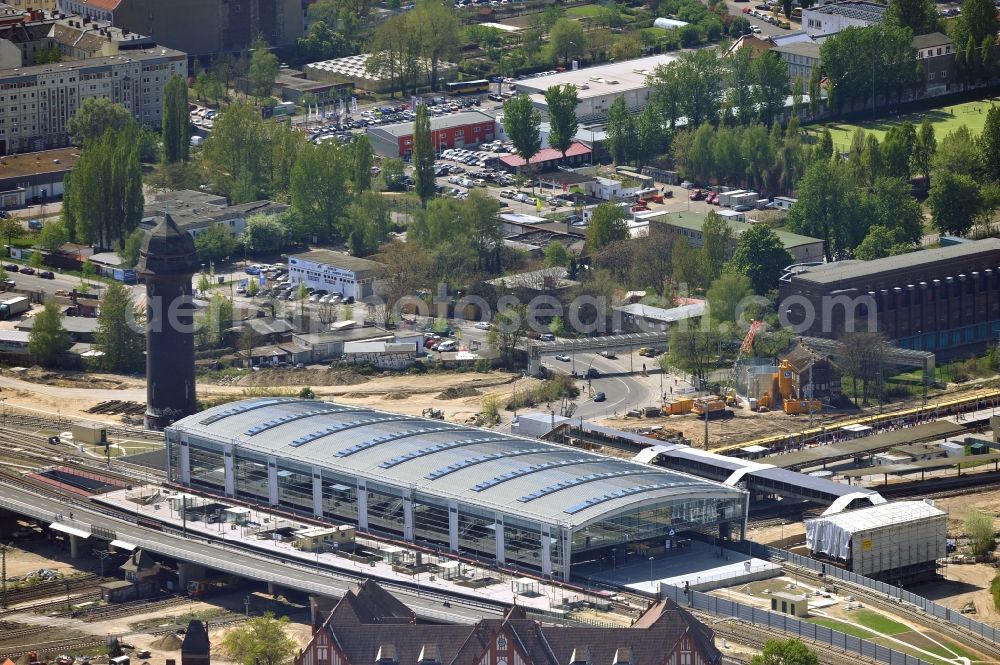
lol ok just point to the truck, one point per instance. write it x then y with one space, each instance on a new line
715 406
14 306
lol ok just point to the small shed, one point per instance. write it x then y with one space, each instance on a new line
796 605
90 432
450 570
953 448
118 591
392 554
236 515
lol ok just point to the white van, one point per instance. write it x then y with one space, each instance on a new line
449 345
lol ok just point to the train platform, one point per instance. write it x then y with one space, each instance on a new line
442 573
700 565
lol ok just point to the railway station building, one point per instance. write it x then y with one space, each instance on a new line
522 502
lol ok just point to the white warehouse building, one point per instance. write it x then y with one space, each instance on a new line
598 87
898 542
498 497
334 272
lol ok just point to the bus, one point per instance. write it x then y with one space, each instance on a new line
465 87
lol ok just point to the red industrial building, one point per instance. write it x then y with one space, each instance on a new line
459 130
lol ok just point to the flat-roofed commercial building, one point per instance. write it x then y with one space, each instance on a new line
513 500
598 87
459 130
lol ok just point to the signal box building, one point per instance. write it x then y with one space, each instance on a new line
517 501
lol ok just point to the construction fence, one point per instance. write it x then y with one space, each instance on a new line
891 592
788 625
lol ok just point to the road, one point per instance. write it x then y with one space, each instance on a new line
766 29
215 555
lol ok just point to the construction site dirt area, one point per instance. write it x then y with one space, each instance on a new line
37 555
743 425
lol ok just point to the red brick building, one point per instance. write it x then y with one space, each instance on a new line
460 130
369 626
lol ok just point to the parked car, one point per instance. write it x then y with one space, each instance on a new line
47 274
697 195
482 325
27 270
12 267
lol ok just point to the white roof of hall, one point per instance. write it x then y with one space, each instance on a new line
517 476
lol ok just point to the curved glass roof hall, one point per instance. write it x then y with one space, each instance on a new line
491 494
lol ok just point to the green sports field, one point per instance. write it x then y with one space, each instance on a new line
946 119
587 11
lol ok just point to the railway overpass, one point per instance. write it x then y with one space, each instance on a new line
617 343
195 553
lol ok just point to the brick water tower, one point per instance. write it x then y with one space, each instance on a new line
167 263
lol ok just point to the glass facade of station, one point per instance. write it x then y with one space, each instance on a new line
438 521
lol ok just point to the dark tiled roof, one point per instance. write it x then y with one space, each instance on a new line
370 620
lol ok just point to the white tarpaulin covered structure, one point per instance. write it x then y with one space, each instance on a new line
879 538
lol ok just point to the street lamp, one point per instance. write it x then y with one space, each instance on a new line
651 573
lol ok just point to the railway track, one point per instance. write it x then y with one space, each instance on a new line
746 634
52 587
961 636
105 612
52 647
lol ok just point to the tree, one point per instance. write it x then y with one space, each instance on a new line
771 85
213 322
392 174
699 73
319 189
10 228
521 120
955 200
130 247
989 143
407 268
693 352
607 225
626 47
740 85
322 42
980 19
95 116
566 39
265 233
556 255
88 273
250 158
829 208
785 652
562 101
919 16
48 339
980 531
890 203
957 153
215 243
897 150
879 243
264 68
364 159
717 244
104 203
621 132
761 256
119 335
480 215
176 142
423 156
651 138
36 260
508 330
861 356
725 295
53 235
924 148
440 34
367 224
260 641
666 82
